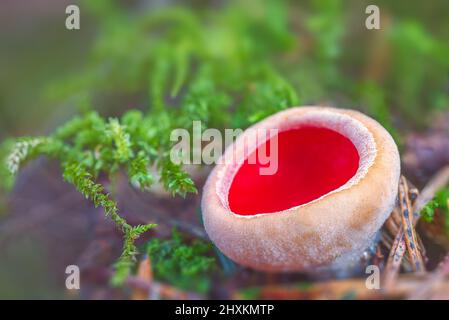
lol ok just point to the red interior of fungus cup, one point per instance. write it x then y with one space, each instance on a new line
312 161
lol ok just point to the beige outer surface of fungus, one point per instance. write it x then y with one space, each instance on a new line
323 231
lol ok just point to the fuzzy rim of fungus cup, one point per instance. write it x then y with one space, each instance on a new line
335 186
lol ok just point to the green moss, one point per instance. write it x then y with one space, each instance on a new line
250 293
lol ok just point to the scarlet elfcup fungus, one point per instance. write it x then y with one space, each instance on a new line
335 185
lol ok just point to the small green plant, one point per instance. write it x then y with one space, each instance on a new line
442 197
183 265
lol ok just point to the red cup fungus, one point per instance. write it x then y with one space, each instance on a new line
335 184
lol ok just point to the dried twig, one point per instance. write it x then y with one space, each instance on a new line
394 261
145 287
426 290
